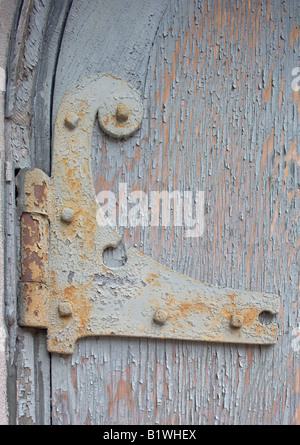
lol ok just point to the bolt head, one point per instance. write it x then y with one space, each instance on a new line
119 114
160 316
123 112
67 215
236 321
65 309
71 120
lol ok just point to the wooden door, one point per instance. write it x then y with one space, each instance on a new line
221 106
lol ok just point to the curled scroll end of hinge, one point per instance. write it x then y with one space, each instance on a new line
33 190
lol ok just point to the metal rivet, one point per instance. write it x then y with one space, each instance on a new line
120 111
65 309
71 119
236 321
123 112
160 316
67 215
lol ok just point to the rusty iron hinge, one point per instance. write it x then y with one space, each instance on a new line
66 288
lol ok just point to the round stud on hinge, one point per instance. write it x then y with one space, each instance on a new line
71 120
67 215
121 113
160 316
236 321
65 309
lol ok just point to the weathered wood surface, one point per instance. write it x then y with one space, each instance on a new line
35 41
221 116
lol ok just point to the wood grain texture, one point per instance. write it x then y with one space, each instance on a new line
220 116
34 43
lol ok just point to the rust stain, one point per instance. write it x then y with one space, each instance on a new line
121 124
152 277
231 297
33 313
250 316
77 295
28 299
40 193
34 250
182 310
171 300
35 191
185 308
72 180
31 229
83 222
32 267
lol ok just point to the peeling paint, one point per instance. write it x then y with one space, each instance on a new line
107 301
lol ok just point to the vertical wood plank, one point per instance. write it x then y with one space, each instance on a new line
221 116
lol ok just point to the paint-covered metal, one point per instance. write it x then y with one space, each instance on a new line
65 285
120 110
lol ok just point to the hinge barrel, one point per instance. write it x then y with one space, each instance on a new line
34 231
